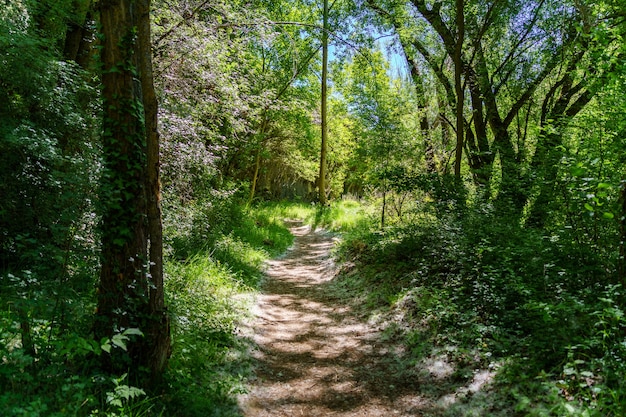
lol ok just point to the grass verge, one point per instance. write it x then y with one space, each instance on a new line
209 288
536 317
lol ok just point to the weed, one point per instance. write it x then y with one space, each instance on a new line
494 295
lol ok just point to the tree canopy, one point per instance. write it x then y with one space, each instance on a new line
135 133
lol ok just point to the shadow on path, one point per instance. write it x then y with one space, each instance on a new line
315 357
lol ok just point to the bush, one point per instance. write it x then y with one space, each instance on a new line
498 292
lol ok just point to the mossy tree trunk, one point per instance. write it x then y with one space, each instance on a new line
458 86
622 231
130 292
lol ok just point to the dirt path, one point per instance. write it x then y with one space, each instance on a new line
315 357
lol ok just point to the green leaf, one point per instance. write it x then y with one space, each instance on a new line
133 331
569 371
589 207
116 402
128 392
577 171
119 341
608 215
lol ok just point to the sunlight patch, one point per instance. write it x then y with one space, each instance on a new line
438 367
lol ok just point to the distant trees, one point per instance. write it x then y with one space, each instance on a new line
386 142
240 95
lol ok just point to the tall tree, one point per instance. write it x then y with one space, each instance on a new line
129 296
622 231
324 105
458 85
158 329
513 56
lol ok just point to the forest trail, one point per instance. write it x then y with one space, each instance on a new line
315 356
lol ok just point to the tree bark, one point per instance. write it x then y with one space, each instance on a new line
324 105
546 159
418 83
621 269
158 331
458 86
130 292
124 229
480 153
77 42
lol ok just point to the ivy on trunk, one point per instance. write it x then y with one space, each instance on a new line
130 292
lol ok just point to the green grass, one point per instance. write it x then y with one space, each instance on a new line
210 284
284 210
207 365
340 216
209 292
492 295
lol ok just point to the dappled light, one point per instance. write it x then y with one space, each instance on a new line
315 356
312 208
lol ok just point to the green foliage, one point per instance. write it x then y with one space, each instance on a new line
48 261
491 294
208 363
126 401
49 371
232 96
210 279
122 394
48 161
534 295
341 216
592 377
381 116
208 294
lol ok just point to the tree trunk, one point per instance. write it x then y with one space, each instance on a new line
480 151
255 176
383 211
27 338
442 121
549 151
76 46
510 198
158 333
130 292
322 176
458 86
418 83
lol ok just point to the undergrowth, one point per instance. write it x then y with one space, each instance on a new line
212 275
539 312
215 252
340 216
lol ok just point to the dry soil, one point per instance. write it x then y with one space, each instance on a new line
315 356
